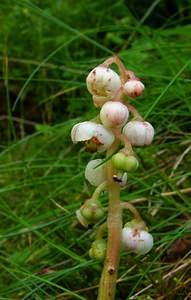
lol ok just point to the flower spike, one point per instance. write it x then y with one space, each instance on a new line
112 132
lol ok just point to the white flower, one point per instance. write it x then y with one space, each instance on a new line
133 87
95 175
96 133
103 82
136 240
139 133
114 114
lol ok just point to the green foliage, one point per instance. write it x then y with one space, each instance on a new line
48 48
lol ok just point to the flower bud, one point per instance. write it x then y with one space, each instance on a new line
125 163
133 87
103 82
114 114
98 250
137 240
94 173
139 133
93 133
118 160
131 163
92 211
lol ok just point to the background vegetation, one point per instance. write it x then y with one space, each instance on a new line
48 48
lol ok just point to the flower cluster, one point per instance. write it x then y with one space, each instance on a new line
118 122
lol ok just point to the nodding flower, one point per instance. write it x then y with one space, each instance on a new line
139 133
103 81
137 240
95 172
133 87
114 114
96 134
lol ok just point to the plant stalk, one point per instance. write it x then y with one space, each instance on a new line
108 280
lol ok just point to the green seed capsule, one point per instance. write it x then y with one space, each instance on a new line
118 161
131 163
98 214
92 211
125 163
86 212
98 250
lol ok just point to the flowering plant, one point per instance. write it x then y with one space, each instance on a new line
112 131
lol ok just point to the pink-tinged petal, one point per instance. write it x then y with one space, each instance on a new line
114 114
139 133
97 133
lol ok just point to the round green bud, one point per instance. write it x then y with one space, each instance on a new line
118 160
92 211
86 212
98 250
131 163
98 214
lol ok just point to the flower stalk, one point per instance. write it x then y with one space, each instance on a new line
102 187
114 227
